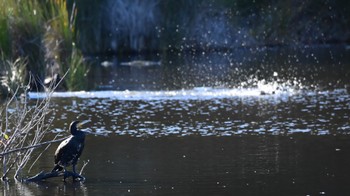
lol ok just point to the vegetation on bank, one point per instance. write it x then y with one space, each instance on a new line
41 38
37 41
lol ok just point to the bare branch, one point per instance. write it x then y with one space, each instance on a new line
9 169
84 165
31 146
30 168
26 127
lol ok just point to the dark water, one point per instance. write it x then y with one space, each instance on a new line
283 130
194 165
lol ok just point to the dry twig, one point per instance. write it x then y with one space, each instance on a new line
23 130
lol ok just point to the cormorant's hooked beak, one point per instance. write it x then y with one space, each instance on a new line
80 124
88 130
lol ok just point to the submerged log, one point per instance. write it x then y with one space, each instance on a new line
66 174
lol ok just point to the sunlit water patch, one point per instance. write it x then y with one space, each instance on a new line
206 112
184 94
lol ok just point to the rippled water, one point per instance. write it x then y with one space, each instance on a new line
207 112
249 127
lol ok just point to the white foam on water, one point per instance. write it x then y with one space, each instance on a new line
195 93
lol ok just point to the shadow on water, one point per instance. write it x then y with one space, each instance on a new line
193 165
212 165
211 124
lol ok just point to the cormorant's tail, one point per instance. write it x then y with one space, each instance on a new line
57 168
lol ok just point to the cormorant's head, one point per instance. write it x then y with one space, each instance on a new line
73 127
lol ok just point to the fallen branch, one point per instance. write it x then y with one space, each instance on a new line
66 174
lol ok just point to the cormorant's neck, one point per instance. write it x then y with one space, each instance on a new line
74 130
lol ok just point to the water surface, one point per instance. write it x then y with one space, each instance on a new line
195 165
268 123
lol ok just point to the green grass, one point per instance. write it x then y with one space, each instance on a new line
42 32
67 56
76 78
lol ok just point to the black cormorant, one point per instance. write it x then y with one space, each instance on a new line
70 149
